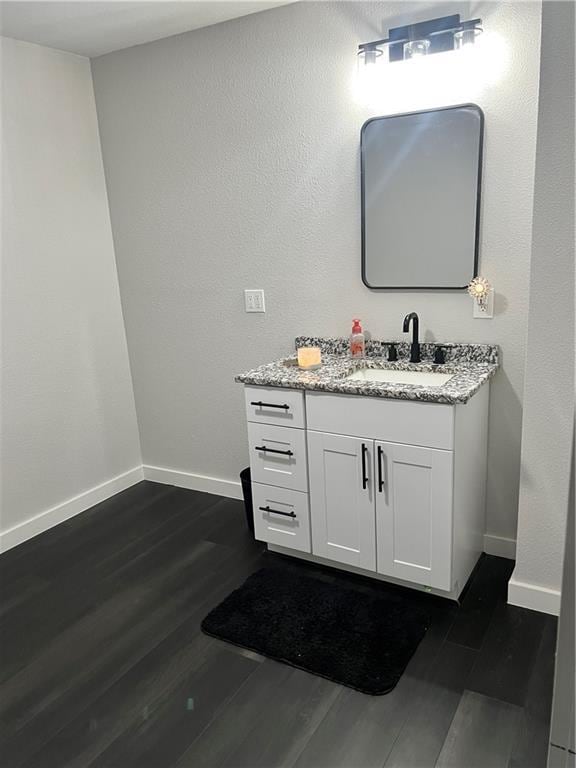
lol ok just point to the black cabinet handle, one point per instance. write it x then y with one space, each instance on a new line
364 475
260 404
277 512
272 450
380 480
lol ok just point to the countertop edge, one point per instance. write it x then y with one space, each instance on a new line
422 395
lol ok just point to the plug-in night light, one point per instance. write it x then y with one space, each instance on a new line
479 288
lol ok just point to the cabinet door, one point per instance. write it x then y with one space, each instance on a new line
413 489
342 499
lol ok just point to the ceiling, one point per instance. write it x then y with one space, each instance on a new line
94 28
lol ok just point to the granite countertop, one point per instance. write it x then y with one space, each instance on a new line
471 365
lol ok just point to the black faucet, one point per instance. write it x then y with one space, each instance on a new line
415 346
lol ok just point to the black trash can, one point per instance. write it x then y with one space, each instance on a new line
245 479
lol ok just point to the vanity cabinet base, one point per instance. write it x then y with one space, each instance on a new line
448 594
348 489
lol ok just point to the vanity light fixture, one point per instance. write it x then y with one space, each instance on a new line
479 288
446 33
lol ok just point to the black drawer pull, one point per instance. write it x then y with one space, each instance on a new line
364 475
260 404
273 450
277 512
380 479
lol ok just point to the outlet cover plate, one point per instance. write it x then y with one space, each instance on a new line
488 313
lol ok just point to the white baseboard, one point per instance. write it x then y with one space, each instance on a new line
500 546
229 488
533 596
67 509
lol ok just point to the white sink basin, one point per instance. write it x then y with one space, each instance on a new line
421 378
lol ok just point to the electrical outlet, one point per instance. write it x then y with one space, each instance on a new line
254 300
486 314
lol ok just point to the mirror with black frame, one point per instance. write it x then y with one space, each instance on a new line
421 177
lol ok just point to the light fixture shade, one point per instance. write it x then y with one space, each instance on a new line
369 56
466 37
416 48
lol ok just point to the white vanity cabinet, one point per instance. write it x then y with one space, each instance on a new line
389 488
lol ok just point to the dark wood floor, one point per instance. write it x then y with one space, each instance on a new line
104 664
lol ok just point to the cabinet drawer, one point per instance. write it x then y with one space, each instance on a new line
270 405
281 517
278 456
396 421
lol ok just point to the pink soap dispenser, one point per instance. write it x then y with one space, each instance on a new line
357 341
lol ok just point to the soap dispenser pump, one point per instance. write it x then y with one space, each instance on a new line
357 340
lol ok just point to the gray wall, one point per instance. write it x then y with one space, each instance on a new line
68 414
232 162
549 382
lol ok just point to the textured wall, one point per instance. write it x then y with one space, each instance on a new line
549 382
232 162
68 419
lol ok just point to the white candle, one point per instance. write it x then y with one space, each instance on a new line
309 357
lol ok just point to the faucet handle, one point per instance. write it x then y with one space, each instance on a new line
392 353
439 355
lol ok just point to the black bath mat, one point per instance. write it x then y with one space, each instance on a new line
358 636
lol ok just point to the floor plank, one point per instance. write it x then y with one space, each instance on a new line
378 720
31 628
104 662
45 552
220 739
487 589
98 650
531 743
432 709
481 735
283 728
508 654
174 715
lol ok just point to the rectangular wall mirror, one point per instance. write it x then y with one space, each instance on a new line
421 175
